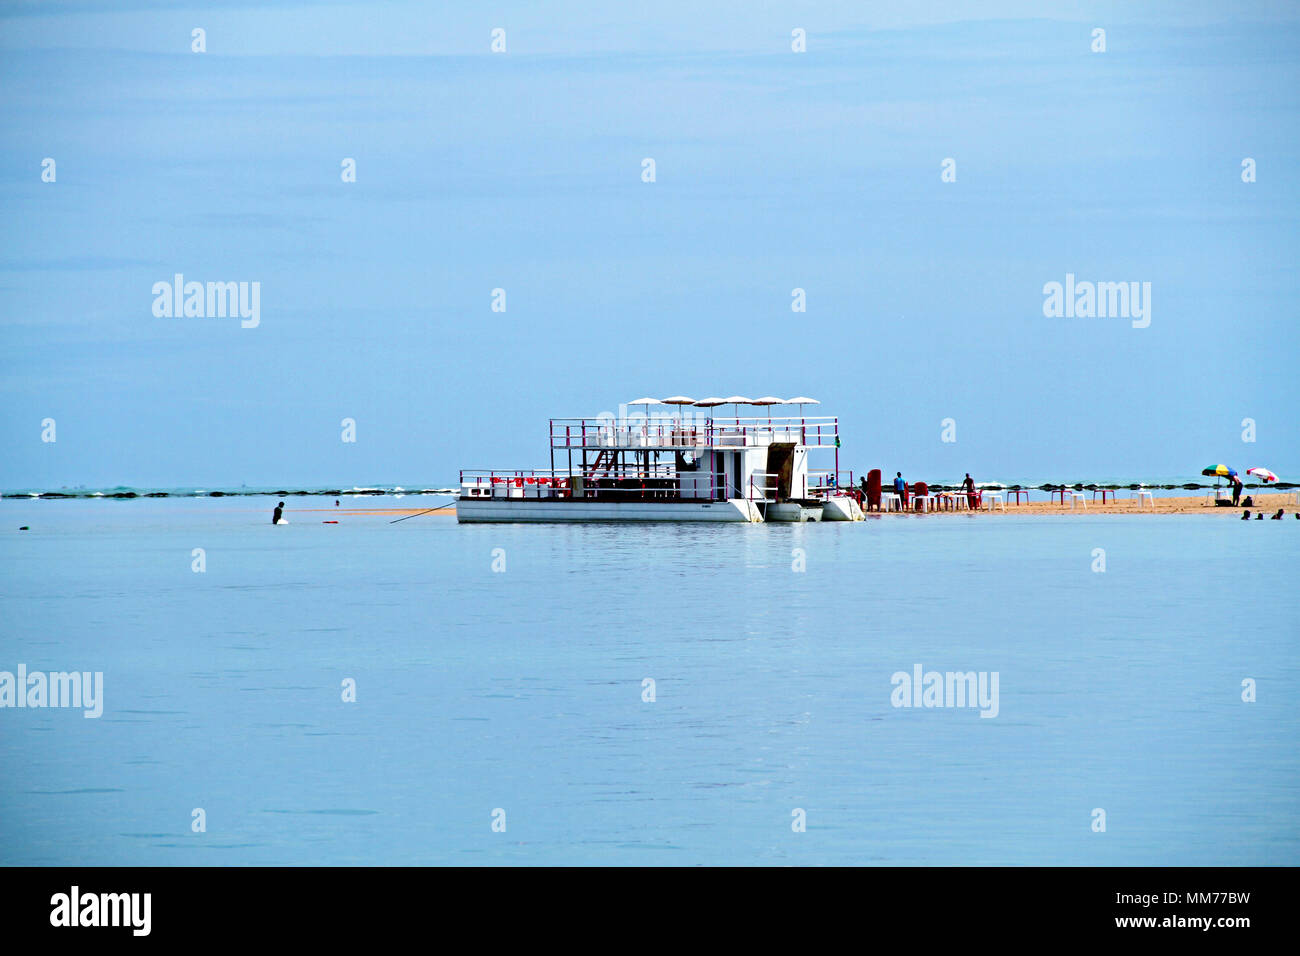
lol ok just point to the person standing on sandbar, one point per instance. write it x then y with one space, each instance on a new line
968 486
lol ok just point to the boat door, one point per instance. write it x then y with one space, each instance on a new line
780 462
728 475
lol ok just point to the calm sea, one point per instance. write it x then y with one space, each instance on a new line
518 694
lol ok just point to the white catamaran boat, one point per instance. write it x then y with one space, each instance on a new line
686 466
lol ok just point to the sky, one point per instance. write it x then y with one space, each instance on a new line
522 170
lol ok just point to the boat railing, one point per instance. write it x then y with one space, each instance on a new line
628 481
709 433
828 484
763 486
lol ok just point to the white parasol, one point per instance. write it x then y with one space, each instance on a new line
736 401
801 401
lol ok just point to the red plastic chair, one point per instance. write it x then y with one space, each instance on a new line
920 488
873 489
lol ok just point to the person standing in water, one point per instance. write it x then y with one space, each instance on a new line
279 510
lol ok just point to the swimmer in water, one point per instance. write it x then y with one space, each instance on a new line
1245 515
279 510
1278 516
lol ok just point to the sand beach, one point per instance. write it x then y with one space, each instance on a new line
1170 505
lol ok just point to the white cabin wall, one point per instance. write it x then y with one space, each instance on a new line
754 468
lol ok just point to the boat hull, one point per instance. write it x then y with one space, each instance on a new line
509 510
793 511
841 508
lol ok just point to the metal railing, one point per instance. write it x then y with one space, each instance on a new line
626 483
765 491
711 433
826 484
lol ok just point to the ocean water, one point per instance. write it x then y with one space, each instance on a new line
521 689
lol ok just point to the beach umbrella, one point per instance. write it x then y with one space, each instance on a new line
679 400
644 428
1219 471
736 401
646 401
801 401
1263 474
710 402
768 400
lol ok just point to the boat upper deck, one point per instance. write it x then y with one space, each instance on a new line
700 434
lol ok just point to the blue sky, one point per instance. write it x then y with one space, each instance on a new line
522 171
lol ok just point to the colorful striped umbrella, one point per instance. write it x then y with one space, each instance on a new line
1219 471
1263 474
